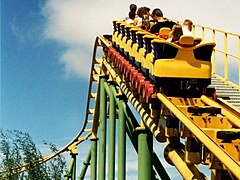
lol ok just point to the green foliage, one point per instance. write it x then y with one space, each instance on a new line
17 148
57 165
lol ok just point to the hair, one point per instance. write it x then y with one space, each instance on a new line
188 23
131 15
133 8
145 24
146 10
157 12
177 32
140 12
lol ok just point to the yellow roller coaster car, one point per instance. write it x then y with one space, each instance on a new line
184 66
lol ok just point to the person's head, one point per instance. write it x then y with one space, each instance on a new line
133 8
188 24
146 11
157 14
177 32
140 12
131 15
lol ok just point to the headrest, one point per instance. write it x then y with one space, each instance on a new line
197 40
186 40
164 31
128 26
150 36
135 28
142 32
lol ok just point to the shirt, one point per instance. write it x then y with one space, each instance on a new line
156 27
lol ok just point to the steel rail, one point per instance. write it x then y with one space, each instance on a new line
233 116
234 110
219 152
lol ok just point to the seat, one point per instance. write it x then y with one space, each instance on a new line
186 40
164 32
204 51
140 51
133 44
127 41
147 56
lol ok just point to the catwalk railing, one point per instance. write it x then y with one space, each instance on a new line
226 54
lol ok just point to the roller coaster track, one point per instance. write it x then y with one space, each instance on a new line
178 106
211 129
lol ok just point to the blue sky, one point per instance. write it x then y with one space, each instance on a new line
46 50
36 96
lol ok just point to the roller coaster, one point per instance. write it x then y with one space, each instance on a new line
144 87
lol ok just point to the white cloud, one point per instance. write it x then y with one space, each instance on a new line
76 62
76 24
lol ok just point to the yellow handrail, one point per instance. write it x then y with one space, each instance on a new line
224 51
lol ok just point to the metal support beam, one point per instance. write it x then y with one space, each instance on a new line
71 172
111 135
74 167
86 163
145 147
102 133
187 171
94 158
159 167
121 141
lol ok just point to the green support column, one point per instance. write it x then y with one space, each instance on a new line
86 163
74 167
93 172
102 133
145 147
133 124
111 140
71 172
121 141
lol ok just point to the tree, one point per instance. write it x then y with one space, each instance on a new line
17 148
